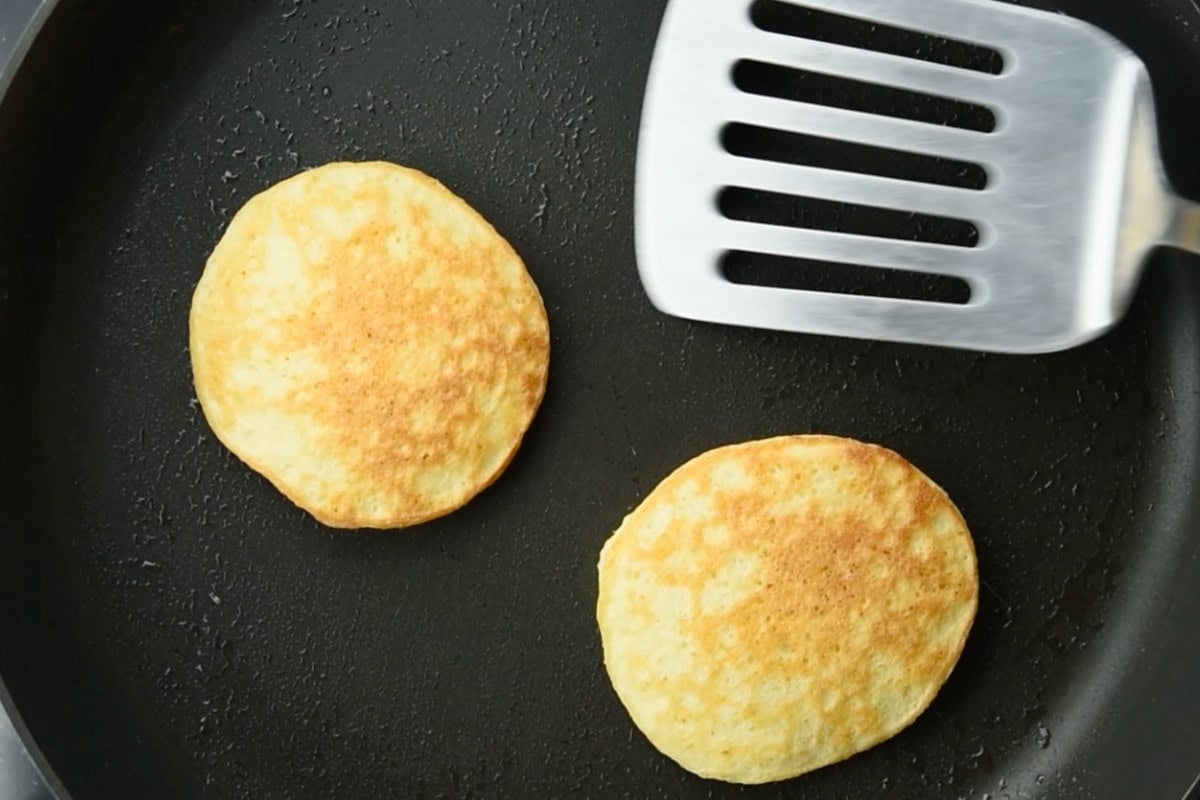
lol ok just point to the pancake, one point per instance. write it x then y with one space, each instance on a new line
369 343
780 605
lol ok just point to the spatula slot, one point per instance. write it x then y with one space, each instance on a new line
782 272
776 16
787 83
770 208
767 144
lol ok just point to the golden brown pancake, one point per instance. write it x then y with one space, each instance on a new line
776 606
369 343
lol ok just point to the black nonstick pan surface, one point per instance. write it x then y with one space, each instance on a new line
172 627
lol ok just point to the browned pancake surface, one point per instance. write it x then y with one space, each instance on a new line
369 343
776 606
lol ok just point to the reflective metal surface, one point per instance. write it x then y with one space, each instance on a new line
1074 200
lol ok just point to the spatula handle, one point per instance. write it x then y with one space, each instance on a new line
1183 230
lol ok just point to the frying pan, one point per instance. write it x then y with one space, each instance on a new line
173 627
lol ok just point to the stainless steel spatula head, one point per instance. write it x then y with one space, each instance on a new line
1074 195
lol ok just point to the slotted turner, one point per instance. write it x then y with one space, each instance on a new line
1076 196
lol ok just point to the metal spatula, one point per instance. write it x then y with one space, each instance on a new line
1075 195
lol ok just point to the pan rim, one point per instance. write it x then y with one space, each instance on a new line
20 49
8 72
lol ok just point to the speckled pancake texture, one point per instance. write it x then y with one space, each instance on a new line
776 606
369 343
